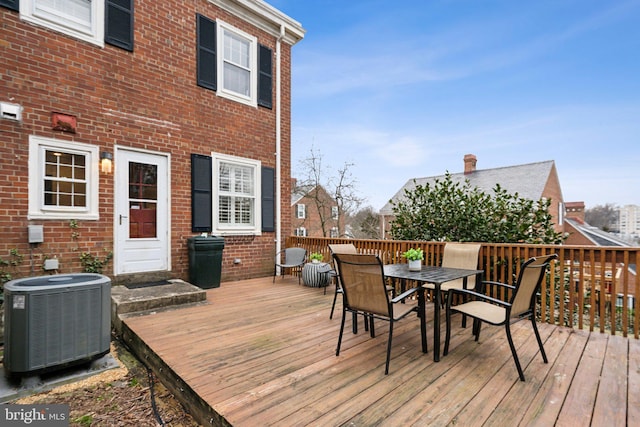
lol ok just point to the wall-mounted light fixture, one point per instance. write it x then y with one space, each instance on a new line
106 162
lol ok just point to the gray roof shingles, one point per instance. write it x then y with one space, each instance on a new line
527 180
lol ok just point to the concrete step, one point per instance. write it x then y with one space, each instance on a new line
127 301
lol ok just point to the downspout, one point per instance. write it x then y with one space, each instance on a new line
279 142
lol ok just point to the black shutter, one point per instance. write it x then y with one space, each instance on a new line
11 4
201 193
265 77
268 199
206 51
118 27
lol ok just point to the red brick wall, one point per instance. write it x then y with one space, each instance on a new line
312 223
575 237
145 99
553 192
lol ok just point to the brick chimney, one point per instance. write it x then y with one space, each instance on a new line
575 210
469 163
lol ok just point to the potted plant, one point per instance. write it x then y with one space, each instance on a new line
316 257
414 257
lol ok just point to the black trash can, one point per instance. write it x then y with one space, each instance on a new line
205 261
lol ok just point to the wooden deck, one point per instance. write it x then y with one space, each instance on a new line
259 353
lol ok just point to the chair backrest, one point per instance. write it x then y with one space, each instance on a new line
341 248
362 279
531 275
462 255
294 256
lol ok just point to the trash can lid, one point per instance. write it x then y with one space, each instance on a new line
209 241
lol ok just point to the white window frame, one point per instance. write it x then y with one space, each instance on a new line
301 232
334 212
92 32
238 229
37 209
301 211
333 233
561 209
252 99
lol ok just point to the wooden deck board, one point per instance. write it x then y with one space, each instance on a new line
261 353
613 384
546 404
634 382
579 402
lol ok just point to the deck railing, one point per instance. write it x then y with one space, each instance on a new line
592 287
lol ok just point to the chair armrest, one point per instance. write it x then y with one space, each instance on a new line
479 296
504 285
482 285
406 294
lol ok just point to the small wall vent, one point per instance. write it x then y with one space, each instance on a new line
11 111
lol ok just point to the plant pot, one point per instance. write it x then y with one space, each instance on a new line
315 261
415 265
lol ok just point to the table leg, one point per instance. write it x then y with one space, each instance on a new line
423 318
436 323
464 316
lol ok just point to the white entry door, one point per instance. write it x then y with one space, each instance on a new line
141 212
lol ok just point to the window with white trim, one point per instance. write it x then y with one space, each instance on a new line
236 200
334 212
82 19
63 179
301 211
237 64
334 232
301 232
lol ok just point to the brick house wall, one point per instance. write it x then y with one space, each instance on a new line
552 191
318 204
146 100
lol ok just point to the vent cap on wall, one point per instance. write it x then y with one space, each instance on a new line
11 111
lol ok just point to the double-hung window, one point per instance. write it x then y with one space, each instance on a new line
237 64
301 211
94 21
63 179
237 183
83 19
233 63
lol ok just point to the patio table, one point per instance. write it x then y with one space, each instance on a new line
437 276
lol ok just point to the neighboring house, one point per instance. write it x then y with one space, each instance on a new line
582 234
532 181
314 213
131 129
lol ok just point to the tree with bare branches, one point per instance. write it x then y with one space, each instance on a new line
341 186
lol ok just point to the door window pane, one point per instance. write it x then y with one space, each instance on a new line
143 196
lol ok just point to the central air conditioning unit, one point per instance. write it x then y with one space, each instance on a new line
52 322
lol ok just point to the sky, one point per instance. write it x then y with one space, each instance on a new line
405 89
